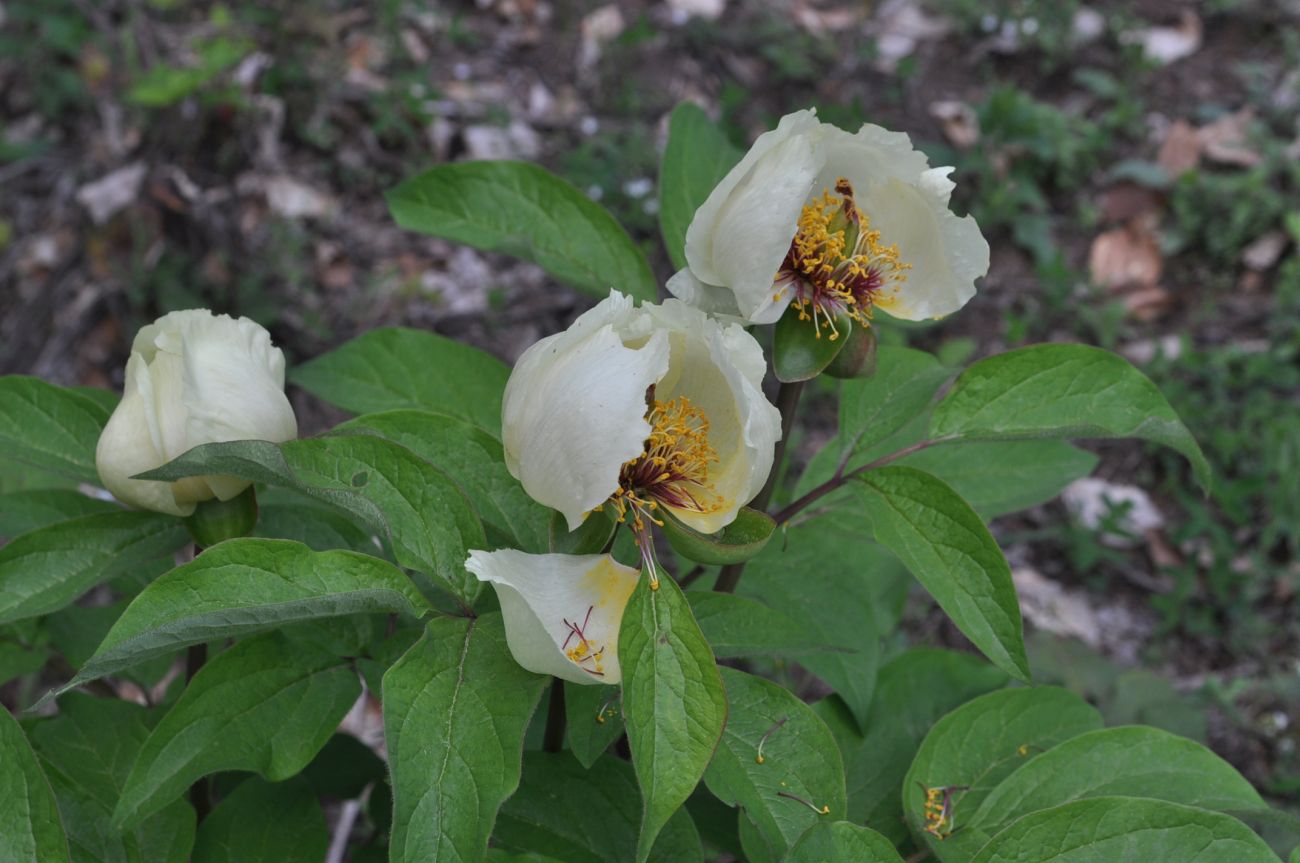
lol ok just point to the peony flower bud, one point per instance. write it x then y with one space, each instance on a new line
834 223
562 611
642 408
193 378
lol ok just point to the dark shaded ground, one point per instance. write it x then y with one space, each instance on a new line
238 156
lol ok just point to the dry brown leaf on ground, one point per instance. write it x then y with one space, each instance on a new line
1126 201
958 121
1224 140
833 19
599 28
1052 608
684 10
109 195
1127 262
899 27
1164 45
1180 151
1265 251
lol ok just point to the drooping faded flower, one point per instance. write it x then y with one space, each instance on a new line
193 378
833 223
562 612
642 409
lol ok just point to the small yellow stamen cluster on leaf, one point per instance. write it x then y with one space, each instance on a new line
837 264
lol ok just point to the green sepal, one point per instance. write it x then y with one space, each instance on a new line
592 537
736 543
857 359
800 351
215 520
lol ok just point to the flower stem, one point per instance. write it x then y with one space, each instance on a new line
787 402
553 739
840 479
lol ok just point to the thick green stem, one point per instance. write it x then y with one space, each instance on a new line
553 739
787 402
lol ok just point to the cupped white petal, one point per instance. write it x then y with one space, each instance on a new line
574 409
947 253
562 612
740 234
711 299
128 446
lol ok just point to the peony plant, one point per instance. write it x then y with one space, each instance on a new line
601 611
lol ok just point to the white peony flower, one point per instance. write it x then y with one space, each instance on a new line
642 408
562 611
832 222
193 378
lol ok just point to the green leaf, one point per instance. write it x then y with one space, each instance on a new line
393 368
1062 391
1106 829
47 568
243 586
999 477
944 543
915 689
586 815
21 511
696 158
739 626
264 823
475 460
874 408
801 351
394 492
50 427
295 516
593 720
523 210
18 659
979 744
166 85
736 543
593 536
30 829
1118 762
674 705
267 705
856 595
798 759
88 750
834 841
455 710
77 630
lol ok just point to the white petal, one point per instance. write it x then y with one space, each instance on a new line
947 254
720 370
574 410
711 299
872 156
543 596
126 448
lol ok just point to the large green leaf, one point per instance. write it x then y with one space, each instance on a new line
397 368
474 459
264 823
979 744
395 493
794 781
586 814
50 427
947 547
840 589
696 158
1109 829
30 829
88 750
47 568
674 705
836 841
1135 761
21 511
1062 391
455 710
593 720
998 477
874 408
243 586
739 626
284 514
915 689
267 705
521 209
